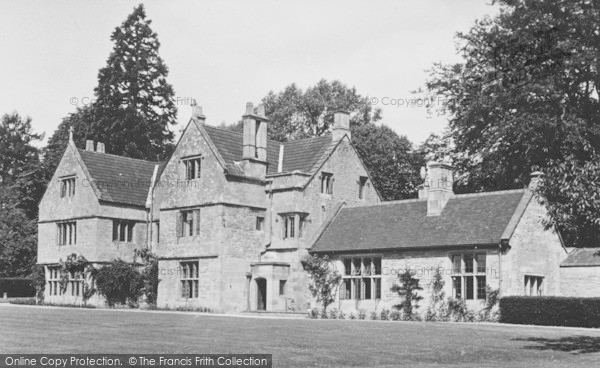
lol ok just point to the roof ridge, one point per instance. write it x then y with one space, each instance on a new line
127 158
386 203
269 140
481 194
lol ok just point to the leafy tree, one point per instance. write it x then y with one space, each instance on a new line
119 282
392 162
526 93
325 279
20 163
297 114
407 289
18 238
571 193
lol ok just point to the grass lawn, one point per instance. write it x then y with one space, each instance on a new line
295 342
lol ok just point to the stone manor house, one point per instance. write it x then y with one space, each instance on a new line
231 215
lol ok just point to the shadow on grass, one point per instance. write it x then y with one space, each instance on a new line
573 344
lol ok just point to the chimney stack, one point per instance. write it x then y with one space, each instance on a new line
341 125
89 145
254 152
197 112
100 147
535 178
438 187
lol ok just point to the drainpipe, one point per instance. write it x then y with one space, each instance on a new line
150 206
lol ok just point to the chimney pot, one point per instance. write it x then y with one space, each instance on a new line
249 108
260 110
197 111
89 145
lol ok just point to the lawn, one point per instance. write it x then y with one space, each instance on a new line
294 342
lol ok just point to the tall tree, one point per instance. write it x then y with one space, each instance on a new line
20 162
297 114
393 163
526 92
134 105
18 237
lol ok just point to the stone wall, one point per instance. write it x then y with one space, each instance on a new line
533 252
580 281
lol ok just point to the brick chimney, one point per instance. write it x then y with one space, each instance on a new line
341 125
439 178
254 151
89 145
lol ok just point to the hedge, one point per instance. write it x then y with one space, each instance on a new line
15 287
550 311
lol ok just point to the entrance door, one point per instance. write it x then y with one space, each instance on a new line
261 292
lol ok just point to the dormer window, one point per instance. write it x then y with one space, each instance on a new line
327 183
67 187
192 167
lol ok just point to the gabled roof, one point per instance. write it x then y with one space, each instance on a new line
300 155
466 220
119 179
582 257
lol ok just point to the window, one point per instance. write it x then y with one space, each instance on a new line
67 233
289 222
189 279
327 183
123 231
54 281
188 223
362 182
76 284
67 187
192 168
534 285
282 287
361 278
468 276
260 223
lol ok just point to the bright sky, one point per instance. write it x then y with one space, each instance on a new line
226 53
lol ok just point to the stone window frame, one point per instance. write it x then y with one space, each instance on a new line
282 287
188 223
123 231
54 281
66 233
189 279
470 274
293 225
76 283
327 181
192 167
260 223
533 285
67 186
360 276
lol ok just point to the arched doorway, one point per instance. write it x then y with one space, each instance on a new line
261 294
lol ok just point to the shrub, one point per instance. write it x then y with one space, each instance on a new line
325 279
489 314
333 313
437 309
458 311
39 281
373 315
120 283
149 275
385 314
362 313
323 314
408 292
351 316
342 315
550 311
395 315
314 313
